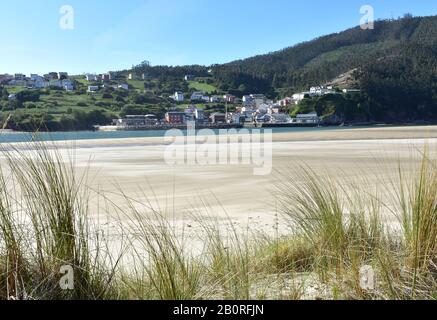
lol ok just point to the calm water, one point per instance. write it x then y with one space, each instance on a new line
89 135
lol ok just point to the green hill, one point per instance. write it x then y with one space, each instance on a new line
325 58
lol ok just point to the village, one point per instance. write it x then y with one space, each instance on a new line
253 110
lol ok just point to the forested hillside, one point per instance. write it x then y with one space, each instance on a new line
323 59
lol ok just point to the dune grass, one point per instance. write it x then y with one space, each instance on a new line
336 228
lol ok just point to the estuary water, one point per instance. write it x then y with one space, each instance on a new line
13 137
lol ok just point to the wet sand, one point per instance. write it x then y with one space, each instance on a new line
136 168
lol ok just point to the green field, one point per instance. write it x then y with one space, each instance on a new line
199 86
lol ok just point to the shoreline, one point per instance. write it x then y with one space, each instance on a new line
341 134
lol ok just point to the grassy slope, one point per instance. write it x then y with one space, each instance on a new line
204 87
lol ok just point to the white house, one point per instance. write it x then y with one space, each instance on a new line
41 83
247 98
320 91
280 118
350 91
179 97
69 87
297 97
214 99
91 77
35 77
112 75
199 115
19 76
197 96
93 88
310 118
123 86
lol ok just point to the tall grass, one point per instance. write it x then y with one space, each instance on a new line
54 230
336 228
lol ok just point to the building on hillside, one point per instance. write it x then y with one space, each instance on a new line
68 85
51 76
175 117
36 77
146 76
19 76
229 98
137 121
310 118
298 97
189 77
93 88
18 83
41 83
91 77
217 118
199 115
215 99
280 118
247 100
106 77
123 86
5 78
321 90
285 102
179 97
113 75
351 91
197 96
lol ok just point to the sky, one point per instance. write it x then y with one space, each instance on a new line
98 36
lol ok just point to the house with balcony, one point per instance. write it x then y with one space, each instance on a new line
175 117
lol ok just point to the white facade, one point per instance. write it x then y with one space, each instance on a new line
320 91
41 84
179 97
91 77
93 88
35 77
346 91
214 99
19 76
297 97
310 118
197 96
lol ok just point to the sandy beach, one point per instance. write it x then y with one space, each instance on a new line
135 168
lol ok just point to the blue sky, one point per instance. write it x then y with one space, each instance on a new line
110 35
